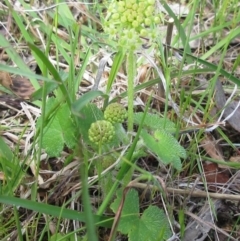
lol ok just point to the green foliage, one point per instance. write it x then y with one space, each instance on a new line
11 167
151 225
154 122
103 131
165 146
90 113
131 73
117 62
59 130
5 151
84 100
121 135
107 180
58 236
161 142
55 211
68 237
181 221
126 21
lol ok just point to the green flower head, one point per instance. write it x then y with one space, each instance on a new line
128 20
101 132
115 113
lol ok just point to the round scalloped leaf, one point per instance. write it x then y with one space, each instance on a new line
53 141
130 211
59 130
68 129
165 146
167 139
151 225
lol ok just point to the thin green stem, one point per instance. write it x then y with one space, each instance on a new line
131 72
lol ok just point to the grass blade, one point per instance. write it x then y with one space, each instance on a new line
54 210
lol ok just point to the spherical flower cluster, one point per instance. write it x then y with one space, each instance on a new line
130 19
115 113
101 132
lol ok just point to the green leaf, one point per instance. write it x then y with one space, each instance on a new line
154 122
53 141
121 134
166 138
130 211
152 225
67 126
53 71
114 70
59 130
78 105
84 64
56 237
23 72
165 146
90 113
11 52
5 151
55 211
50 87
236 64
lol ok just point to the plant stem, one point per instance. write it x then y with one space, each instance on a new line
98 163
131 71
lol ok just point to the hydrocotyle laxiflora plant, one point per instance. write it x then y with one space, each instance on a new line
126 22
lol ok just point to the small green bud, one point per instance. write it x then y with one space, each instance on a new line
112 31
157 20
135 6
147 21
130 17
128 5
142 5
140 18
150 9
130 34
135 24
121 4
144 32
151 2
115 16
121 9
123 19
132 1
134 14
